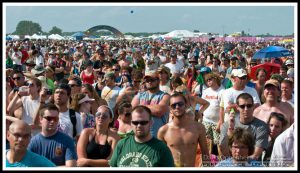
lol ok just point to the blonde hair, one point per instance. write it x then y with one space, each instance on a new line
75 99
213 75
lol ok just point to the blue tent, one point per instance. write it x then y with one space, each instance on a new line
78 35
8 38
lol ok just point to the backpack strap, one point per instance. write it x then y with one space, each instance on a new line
73 120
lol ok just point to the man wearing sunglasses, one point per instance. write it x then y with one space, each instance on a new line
228 98
156 100
19 81
183 135
28 98
141 149
246 120
52 143
18 155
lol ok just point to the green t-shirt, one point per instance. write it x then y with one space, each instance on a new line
129 153
50 83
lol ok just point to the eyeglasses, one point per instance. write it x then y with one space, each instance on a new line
137 81
55 119
72 85
127 114
174 105
243 78
116 69
100 114
247 105
17 136
17 78
142 123
151 80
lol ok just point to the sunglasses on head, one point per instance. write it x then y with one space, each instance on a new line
174 105
139 122
16 78
247 105
51 118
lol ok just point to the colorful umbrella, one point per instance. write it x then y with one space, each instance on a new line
271 52
271 68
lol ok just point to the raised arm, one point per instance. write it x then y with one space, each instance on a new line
160 109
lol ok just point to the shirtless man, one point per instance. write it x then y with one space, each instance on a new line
123 62
273 104
183 135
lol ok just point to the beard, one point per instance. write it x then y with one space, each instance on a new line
142 134
153 88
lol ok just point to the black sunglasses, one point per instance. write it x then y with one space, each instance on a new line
174 105
243 78
16 78
51 118
139 122
151 80
247 105
209 79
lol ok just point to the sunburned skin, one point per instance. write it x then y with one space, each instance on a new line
263 112
183 142
183 135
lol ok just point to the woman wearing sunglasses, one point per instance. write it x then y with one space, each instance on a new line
124 120
95 145
82 103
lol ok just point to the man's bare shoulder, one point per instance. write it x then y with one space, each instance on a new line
259 109
165 127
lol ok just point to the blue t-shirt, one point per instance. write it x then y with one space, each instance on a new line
229 163
31 160
58 148
153 99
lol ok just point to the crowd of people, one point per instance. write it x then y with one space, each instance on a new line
147 104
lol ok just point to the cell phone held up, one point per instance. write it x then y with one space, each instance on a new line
48 91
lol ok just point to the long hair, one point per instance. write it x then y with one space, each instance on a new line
91 89
75 99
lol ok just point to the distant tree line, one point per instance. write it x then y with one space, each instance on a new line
29 28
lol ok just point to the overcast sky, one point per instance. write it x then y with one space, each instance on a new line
256 19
